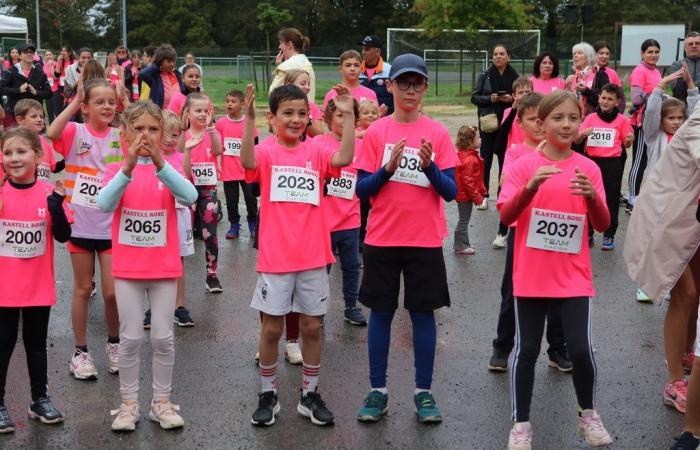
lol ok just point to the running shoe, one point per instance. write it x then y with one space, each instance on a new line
498 361
629 208
560 361
500 241
675 395
426 408
268 408
608 244
166 414
374 407
127 416
591 428
213 285
252 228
147 320
6 424
686 441
234 231
44 411
353 315
82 366
688 360
520 437
642 297
182 317
292 352
466 251
113 357
312 406
484 205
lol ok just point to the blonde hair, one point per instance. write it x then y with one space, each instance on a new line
192 97
465 137
368 104
138 109
291 76
31 137
171 121
556 98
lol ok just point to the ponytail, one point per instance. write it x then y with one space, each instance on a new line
300 42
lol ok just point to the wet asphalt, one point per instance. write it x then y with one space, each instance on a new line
216 381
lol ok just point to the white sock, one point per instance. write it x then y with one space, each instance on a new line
310 378
382 390
418 391
267 377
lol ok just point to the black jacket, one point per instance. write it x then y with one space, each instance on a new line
12 79
490 82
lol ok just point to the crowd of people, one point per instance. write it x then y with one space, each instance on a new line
364 176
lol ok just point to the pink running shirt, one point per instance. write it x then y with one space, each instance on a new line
516 134
359 93
231 132
545 87
606 140
48 160
203 154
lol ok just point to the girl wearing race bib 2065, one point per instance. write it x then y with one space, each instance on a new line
141 191
31 217
87 149
552 194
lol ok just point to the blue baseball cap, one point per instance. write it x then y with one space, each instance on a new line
408 63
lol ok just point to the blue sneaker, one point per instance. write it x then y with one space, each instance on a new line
686 441
426 408
234 231
374 407
608 244
252 228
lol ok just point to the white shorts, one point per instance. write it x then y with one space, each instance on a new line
184 230
305 292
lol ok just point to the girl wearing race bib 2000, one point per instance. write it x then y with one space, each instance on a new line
88 148
31 216
142 191
552 194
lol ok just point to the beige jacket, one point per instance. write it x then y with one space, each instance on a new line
296 62
663 233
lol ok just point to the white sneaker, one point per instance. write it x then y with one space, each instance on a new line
591 428
127 416
165 413
292 353
520 437
82 366
500 241
113 358
466 251
484 205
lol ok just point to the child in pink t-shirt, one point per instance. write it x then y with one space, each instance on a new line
142 191
369 113
30 114
31 217
230 127
294 240
607 133
350 68
552 194
192 81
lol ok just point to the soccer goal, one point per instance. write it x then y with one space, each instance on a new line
456 57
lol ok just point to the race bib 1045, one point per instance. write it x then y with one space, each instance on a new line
556 231
22 239
602 137
204 174
85 190
344 186
409 170
139 228
294 184
232 147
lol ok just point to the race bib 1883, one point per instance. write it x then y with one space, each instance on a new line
204 174
139 228
232 147
555 231
22 239
85 190
294 184
602 137
344 186
409 170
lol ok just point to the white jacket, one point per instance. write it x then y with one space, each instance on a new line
296 62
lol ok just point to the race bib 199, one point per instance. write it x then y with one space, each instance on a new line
22 239
602 137
343 187
43 171
85 190
409 170
204 174
294 184
555 231
138 228
232 147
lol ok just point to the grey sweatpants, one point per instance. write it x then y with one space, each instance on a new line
462 228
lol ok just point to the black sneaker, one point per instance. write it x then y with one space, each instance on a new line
686 441
353 316
268 408
312 406
560 361
6 425
213 285
182 317
498 361
147 319
44 410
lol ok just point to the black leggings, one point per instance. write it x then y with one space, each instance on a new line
35 325
231 191
530 313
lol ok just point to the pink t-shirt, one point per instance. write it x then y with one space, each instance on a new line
340 206
315 111
544 87
48 160
146 204
359 93
516 134
613 76
177 101
514 153
407 210
293 233
606 140
547 273
231 132
26 281
52 79
203 152
170 87
647 77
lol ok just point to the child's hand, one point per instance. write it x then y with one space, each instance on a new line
193 141
344 104
629 140
359 134
543 174
383 110
426 153
395 158
59 188
250 101
587 132
80 90
581 185
341 90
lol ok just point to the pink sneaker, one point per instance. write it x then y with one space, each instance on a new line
688 360
520 437
675 394
591 428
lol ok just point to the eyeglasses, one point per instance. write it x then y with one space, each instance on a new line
418 86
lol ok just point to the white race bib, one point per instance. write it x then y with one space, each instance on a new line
85 190
204 174
232 147
555 231
294 184
602 137
43 171
138 228
22 239
343 187
409 170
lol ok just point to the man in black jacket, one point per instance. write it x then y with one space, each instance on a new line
23 80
